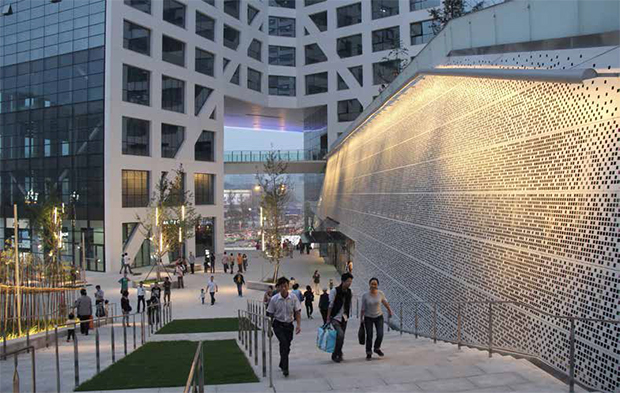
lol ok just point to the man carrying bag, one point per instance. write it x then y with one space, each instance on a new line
284 308
338 312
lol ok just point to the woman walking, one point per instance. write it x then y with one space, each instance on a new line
308 299
316 279
372 314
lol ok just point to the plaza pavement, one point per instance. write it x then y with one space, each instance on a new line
410 365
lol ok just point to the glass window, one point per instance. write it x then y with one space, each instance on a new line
349 46
320 20
172 138
205 26
255 50
231 37
232 8
349 15
136 85
282 55
142 5
252 12
254 79
236 76
314 54
201 95
282 3
415 5
205 62
358 74
385 39
308 3
172 94
342 85
174 12
225 64
384 8
135 188
204 188
204 149
282 27
349 110
173 51
211 2
316 83
136 38
282 85
421 32
385 72
136 136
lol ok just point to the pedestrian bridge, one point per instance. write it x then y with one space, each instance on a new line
244 162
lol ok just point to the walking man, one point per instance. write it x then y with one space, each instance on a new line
212 262
167 290
284 308
239 263
99 299
240 281
192 261
84 309
212 288
125 264
179 274
141 292
338 312
124 283
225 262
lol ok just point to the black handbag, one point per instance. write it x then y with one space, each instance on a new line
361 334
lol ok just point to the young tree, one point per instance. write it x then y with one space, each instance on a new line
171 218
400 56
275 187
452 9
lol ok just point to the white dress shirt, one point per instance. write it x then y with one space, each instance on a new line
283 309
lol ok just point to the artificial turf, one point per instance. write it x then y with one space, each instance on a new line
205 325
167 364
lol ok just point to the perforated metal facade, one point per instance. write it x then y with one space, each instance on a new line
486 189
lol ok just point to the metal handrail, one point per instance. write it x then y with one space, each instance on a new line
490 347
285 155
15 353
195 381
250 323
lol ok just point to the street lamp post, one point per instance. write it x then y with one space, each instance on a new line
75 197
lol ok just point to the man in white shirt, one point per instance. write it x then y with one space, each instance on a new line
141 292
212 288
284 308
192 261
338 312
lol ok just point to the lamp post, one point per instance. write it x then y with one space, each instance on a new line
75 197
31 198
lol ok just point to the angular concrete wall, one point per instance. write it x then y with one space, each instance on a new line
483 189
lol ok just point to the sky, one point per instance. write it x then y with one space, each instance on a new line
248 139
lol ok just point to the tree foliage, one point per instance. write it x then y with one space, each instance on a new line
452 9
400 55
276 189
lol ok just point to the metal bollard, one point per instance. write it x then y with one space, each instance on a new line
415 327
76 361
47 343
134 331
435 323
490 329
250 335
57 360
4 345
401 318
357 303
264 355
255 327
97 353
201 372
27 335
112 340
571 365
124 336
239 324
270 333
458 326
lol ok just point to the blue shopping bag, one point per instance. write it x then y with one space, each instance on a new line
326 338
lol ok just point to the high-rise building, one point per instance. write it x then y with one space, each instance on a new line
99 98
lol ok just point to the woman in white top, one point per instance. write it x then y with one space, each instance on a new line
373 315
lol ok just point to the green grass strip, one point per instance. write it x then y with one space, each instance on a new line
205 325
167 364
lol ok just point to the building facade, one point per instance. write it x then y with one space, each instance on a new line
488 171
99 98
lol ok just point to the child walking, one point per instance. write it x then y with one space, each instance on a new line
71 327
202 295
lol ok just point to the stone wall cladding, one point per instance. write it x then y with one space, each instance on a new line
480 189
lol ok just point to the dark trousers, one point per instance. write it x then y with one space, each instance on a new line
70 334
240 289
212 297
191 267
309 309
213 267
84 323
341 328
141 301
378 324
284 333
167 297
240 268
324 315
180 282
225 268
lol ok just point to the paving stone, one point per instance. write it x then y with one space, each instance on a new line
447 385
499 379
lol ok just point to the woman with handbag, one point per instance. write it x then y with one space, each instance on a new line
372 315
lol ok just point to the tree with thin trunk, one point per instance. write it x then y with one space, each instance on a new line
452 9
276 188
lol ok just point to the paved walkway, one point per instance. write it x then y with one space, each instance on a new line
410 365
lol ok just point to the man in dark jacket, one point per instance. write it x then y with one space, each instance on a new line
84 308
324 305
240 281
338 312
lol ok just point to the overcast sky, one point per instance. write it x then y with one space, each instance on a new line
247 139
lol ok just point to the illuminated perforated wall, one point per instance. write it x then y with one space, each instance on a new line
485 189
